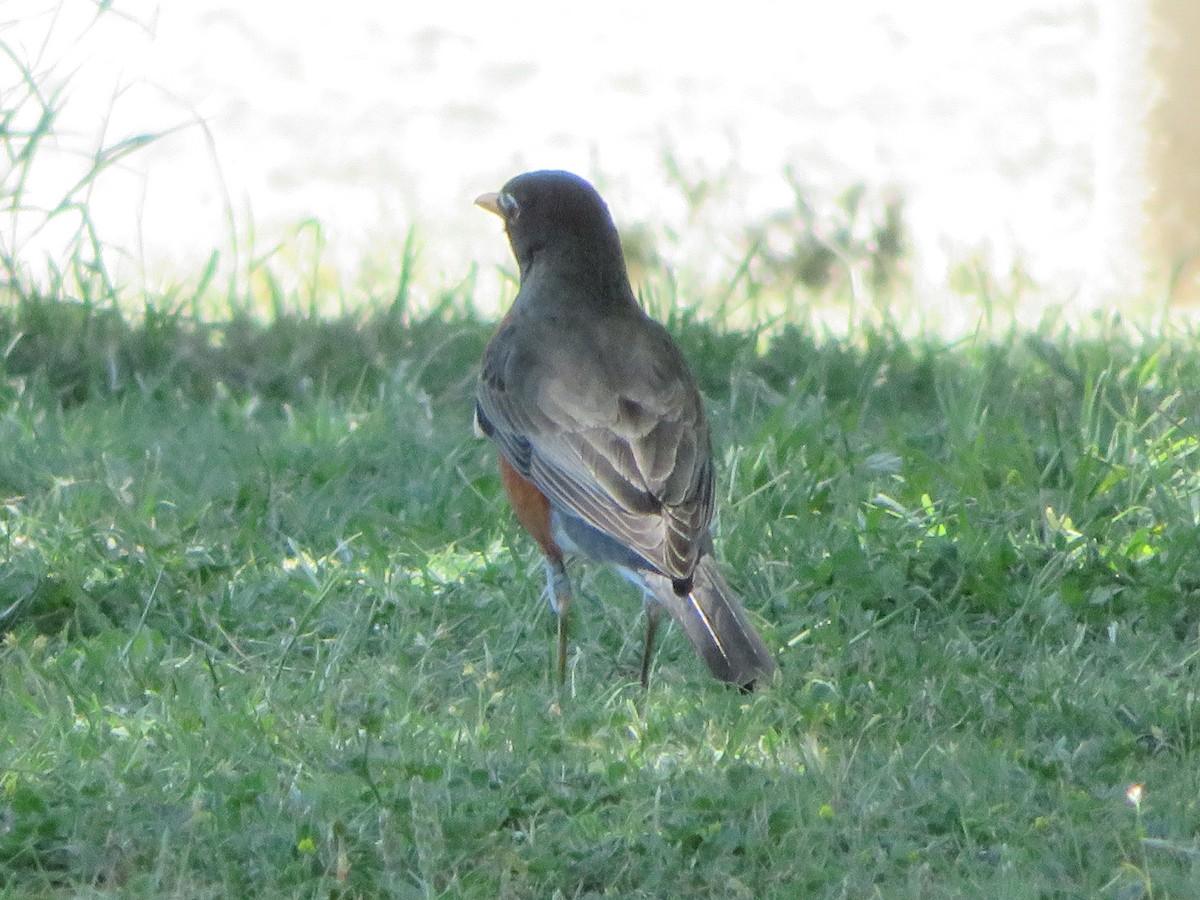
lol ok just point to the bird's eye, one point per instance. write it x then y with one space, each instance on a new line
508 206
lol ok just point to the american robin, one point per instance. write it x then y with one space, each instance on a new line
603 444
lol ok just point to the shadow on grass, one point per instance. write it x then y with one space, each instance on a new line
263 571
78 351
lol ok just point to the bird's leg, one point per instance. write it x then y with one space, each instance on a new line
653 611
558 584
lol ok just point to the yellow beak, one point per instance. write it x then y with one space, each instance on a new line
490 202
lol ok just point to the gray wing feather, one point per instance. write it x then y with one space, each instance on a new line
615 435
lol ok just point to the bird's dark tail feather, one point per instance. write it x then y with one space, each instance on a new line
715 622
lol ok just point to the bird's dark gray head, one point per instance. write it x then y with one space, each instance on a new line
558 215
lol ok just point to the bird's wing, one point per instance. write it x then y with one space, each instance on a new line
610 427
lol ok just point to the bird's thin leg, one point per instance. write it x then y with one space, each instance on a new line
558 583
653 611
564 628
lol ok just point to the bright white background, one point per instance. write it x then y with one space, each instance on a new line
371 116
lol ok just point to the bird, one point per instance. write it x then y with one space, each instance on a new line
603 444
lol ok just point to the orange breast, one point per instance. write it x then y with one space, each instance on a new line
531 506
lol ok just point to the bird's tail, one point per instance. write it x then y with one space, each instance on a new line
715 622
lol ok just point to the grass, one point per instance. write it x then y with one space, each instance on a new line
270 630
267 627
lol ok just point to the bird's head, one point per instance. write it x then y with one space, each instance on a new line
558 216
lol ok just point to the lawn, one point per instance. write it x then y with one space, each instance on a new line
268 627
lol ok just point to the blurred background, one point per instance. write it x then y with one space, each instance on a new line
1004 139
